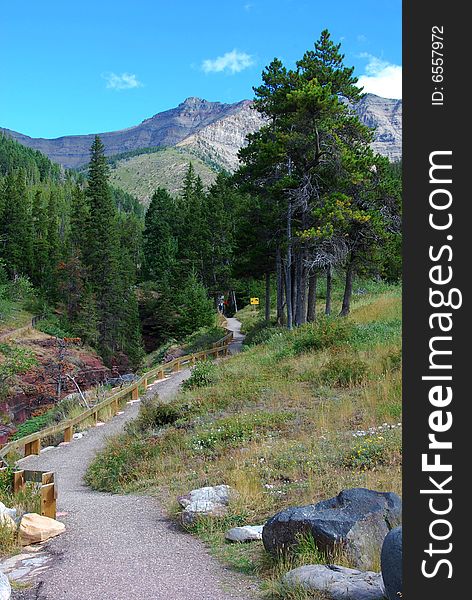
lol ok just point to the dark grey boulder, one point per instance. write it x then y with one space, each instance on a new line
357 520
391 562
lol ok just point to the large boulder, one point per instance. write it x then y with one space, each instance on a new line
336 583
35 528
4 510
356 520
247 533
5 587
205 502
391 562
7 522
219 494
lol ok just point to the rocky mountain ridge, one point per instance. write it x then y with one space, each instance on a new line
213 131
162 130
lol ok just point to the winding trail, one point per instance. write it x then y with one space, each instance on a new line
124 547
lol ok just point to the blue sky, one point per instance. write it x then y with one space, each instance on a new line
87 66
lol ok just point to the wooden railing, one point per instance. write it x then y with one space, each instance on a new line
31 444
45 481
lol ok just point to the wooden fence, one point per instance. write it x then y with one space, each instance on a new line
44 479
31 444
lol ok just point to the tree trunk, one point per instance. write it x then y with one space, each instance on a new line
346 307
311 309
267 297
294 286
300 313
288 269
280 287
329 286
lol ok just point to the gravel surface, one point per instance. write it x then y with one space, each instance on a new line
123 547
235 326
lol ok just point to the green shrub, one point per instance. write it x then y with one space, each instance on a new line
54 326
369 452
344 371
375 333
325 332
260 333
33 425
203 339
118 463
203 374
155 414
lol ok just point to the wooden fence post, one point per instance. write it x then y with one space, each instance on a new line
68 434
33 447
48 496
135 393
18 481
177 366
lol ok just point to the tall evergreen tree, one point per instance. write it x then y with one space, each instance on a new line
41 241
16 231
113 295
159 240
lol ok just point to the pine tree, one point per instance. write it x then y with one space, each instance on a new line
195 308
41 246
103 252
194 226
110 270
54 245
159 241
79 223
15 227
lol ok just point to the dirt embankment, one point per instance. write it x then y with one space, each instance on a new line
58 365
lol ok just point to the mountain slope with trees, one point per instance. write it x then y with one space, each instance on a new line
76 240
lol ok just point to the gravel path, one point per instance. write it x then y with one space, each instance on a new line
235 326
123 547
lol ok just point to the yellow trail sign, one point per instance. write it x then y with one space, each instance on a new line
254 301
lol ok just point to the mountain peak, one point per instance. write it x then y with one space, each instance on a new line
195 102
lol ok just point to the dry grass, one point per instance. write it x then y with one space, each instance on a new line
313 440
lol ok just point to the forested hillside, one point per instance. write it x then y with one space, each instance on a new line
59 232
311 200
311 203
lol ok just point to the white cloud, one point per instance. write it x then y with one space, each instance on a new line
232 62
381 78
125 81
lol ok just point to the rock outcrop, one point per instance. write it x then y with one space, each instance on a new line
220 142
164 129
212 131
336 583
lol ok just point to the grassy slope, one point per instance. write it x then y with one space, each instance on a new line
141 175
13 315
278 424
